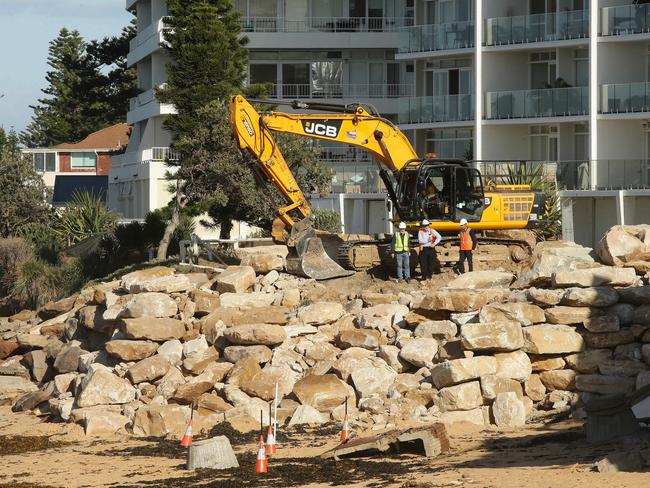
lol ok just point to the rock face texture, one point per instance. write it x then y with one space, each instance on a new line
134 354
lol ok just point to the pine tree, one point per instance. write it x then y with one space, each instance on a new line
208 63
118 82
73 107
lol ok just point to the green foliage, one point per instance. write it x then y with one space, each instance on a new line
88 88
14 252
85 215
22 191
39 282
533 175
208 58
327 220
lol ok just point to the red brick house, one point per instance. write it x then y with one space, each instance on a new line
83 165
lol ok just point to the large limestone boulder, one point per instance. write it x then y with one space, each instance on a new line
420 352
206 302
158 279
262 385
262 354
465 396
12 387
515 365
618 246
492 336
608 339
172 351
321 313
390 354
550 256
545 297
604 385
366 338
374 378
559 379
552 339
524 313
102 387
456 371
148 369
622 367
67 359
149 305
492 385
235 279
161 420
461 300
131 350
243 371
55 309
570 315
263 263
324 392
98 423
508 410
534 388
481 279
92 318
588 361
638 295
244 301
306 414
599 296
256 334
601 276
436 329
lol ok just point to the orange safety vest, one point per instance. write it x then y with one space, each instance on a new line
466 243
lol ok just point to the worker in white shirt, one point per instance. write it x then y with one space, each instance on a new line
428 239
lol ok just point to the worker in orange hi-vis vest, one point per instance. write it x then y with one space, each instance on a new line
468 242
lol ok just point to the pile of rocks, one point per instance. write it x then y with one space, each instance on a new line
134 354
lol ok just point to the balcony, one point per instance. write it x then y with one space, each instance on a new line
324 24
610 174
145 106
547 102
352 91
437 37
625 98
522 29
159 154
426 110
356 178
625 20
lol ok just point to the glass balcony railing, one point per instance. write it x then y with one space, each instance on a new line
356 178
349 90
625 19
625 97
608 174
324 24
445 108
522 29
547 102
437 37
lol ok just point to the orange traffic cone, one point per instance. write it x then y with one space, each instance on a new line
270 442
261 465
345 430
187 438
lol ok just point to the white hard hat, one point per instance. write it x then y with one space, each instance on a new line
425 222
463 221
402 225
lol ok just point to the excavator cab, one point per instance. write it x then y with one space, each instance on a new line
439 190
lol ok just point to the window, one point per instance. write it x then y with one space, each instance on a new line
44 162
263 73
449 143
83 160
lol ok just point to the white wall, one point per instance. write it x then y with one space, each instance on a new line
158 9
622 62
505 142
504 71
159 72
620 139
504 8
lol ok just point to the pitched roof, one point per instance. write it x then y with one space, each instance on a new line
115 137
65 186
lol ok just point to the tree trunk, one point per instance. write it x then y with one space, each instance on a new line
225 226
172 225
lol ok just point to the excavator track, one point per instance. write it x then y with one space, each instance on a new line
363 255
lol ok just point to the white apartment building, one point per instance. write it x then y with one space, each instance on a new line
565 81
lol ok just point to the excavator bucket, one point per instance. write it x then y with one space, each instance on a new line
307 256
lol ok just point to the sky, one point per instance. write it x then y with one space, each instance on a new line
26 28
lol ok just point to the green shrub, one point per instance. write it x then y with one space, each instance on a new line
327 220
14 252
39 282
85 215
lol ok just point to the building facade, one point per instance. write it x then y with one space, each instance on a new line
82 165
562 81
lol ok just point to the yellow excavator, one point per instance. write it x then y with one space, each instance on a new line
441 191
